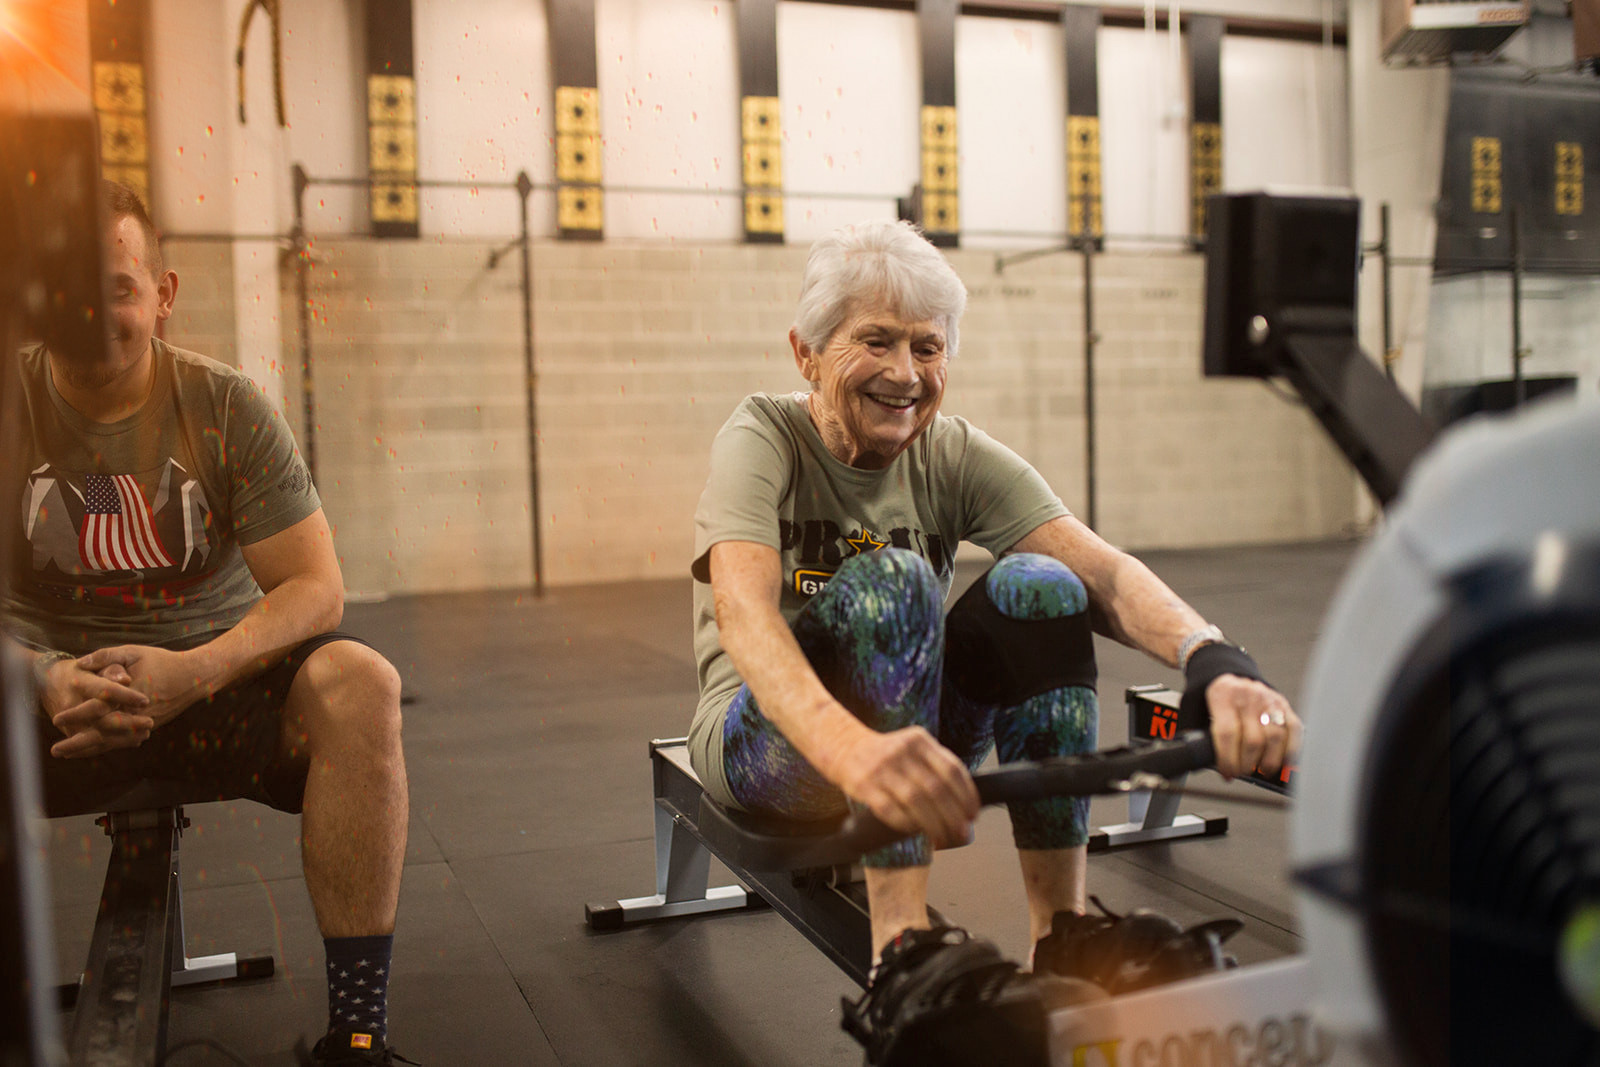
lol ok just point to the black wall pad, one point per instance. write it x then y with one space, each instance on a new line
572 54
392 118
760 121
941 190
758 47
1205 120
579 199
1080 31
1526 150
117 57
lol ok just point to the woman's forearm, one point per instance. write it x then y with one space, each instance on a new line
769 660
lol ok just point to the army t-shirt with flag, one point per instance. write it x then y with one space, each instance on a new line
130 531
775 483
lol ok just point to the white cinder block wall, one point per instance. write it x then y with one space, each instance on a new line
643 351
202 317
646 341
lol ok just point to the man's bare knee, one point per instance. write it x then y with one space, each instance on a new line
349 691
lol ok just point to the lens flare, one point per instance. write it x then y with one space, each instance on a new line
44 55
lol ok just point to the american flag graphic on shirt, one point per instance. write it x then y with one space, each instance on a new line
118 532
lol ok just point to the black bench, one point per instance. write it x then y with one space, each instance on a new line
137 953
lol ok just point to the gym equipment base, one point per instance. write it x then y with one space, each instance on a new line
825 901
1154 816
1255 1014
137 952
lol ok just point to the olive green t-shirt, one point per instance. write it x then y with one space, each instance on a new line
773 482
130 531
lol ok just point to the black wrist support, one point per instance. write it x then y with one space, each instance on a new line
1206 664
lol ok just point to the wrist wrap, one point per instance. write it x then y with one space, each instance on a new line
1206 665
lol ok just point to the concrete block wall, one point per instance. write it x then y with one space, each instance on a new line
643 353
419 432
643 350
1019 371
202 317
1186 461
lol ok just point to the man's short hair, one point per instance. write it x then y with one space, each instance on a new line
117 200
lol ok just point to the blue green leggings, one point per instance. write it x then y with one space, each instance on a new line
875 636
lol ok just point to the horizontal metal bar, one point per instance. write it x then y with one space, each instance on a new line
420 183
203 237
630 190
717 898
1131 17
1129 833
197 969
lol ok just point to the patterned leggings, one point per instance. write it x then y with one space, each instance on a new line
875 636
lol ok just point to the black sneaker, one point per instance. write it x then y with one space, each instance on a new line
351 1050
942 997
1122 953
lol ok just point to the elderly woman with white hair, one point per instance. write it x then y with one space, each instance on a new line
825 544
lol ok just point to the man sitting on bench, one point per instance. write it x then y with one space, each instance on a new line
829 674
177 590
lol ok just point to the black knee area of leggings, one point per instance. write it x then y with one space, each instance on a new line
994 659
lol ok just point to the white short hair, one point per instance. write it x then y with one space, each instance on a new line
877 260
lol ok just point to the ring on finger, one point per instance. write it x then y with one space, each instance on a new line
1275 717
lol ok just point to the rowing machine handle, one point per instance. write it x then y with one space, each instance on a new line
1088 774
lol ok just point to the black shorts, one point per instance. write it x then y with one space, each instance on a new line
225 747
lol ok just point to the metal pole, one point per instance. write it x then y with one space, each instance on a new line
530 393
302 263
1519 387
1386 252
1086 244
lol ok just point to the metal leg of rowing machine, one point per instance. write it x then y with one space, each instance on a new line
1153 816
121 1010
192 970
683 864
828 905
137 953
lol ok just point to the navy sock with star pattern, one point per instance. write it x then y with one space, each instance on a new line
358 988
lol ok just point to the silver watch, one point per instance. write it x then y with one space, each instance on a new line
42 664
1206 635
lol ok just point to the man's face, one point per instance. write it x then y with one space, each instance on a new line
881 378
136 300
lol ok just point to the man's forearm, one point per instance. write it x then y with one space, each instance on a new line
11 644
296 610
37 661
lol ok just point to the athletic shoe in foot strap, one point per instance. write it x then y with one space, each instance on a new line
941 997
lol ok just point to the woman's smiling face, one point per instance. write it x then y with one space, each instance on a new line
879 381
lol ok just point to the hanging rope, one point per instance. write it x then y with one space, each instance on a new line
272 10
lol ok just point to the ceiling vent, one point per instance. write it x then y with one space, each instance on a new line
1430 31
